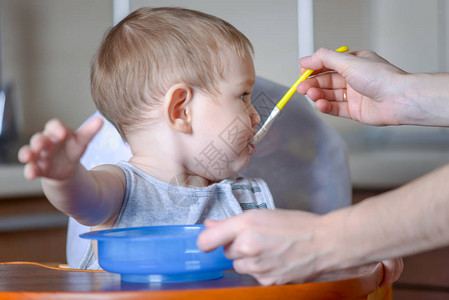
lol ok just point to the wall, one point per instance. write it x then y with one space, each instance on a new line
48 46
412 34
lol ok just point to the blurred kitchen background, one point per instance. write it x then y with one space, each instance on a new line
46 47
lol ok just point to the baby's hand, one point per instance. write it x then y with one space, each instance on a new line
55 152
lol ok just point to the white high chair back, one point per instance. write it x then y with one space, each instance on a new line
301 158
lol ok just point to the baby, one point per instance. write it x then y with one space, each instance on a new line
176 84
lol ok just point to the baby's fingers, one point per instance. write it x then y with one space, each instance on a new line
87 132
56 130
41 144
31 171
25 155
78 141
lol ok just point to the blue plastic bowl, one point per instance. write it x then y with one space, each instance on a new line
158 254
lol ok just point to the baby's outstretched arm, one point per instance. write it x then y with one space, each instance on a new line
54 154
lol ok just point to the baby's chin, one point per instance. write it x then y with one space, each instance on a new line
237 166
234 169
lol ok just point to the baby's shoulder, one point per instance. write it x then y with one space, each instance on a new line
109 170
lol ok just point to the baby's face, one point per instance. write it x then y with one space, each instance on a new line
224 124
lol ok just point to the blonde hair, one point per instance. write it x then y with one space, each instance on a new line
154 48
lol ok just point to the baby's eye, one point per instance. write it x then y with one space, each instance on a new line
244 96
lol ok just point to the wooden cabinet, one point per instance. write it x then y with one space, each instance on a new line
31 229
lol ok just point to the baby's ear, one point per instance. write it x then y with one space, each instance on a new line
177 108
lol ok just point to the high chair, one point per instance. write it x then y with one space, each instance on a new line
305 165
301 158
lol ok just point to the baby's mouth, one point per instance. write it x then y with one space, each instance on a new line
252 148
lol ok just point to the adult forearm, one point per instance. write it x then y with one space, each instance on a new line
426 99
407 220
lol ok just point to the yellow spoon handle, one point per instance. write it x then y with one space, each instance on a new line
303 77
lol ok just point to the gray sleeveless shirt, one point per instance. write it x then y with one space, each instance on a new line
150 202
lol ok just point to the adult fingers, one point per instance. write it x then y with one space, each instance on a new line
220 233
211 223
325 59
248 243
331 95
315 72
340 109
255 266
323 81
392 270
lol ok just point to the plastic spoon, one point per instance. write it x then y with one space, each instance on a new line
278 108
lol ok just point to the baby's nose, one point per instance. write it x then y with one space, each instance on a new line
255 117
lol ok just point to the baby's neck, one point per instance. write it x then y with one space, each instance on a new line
169 171
161 154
